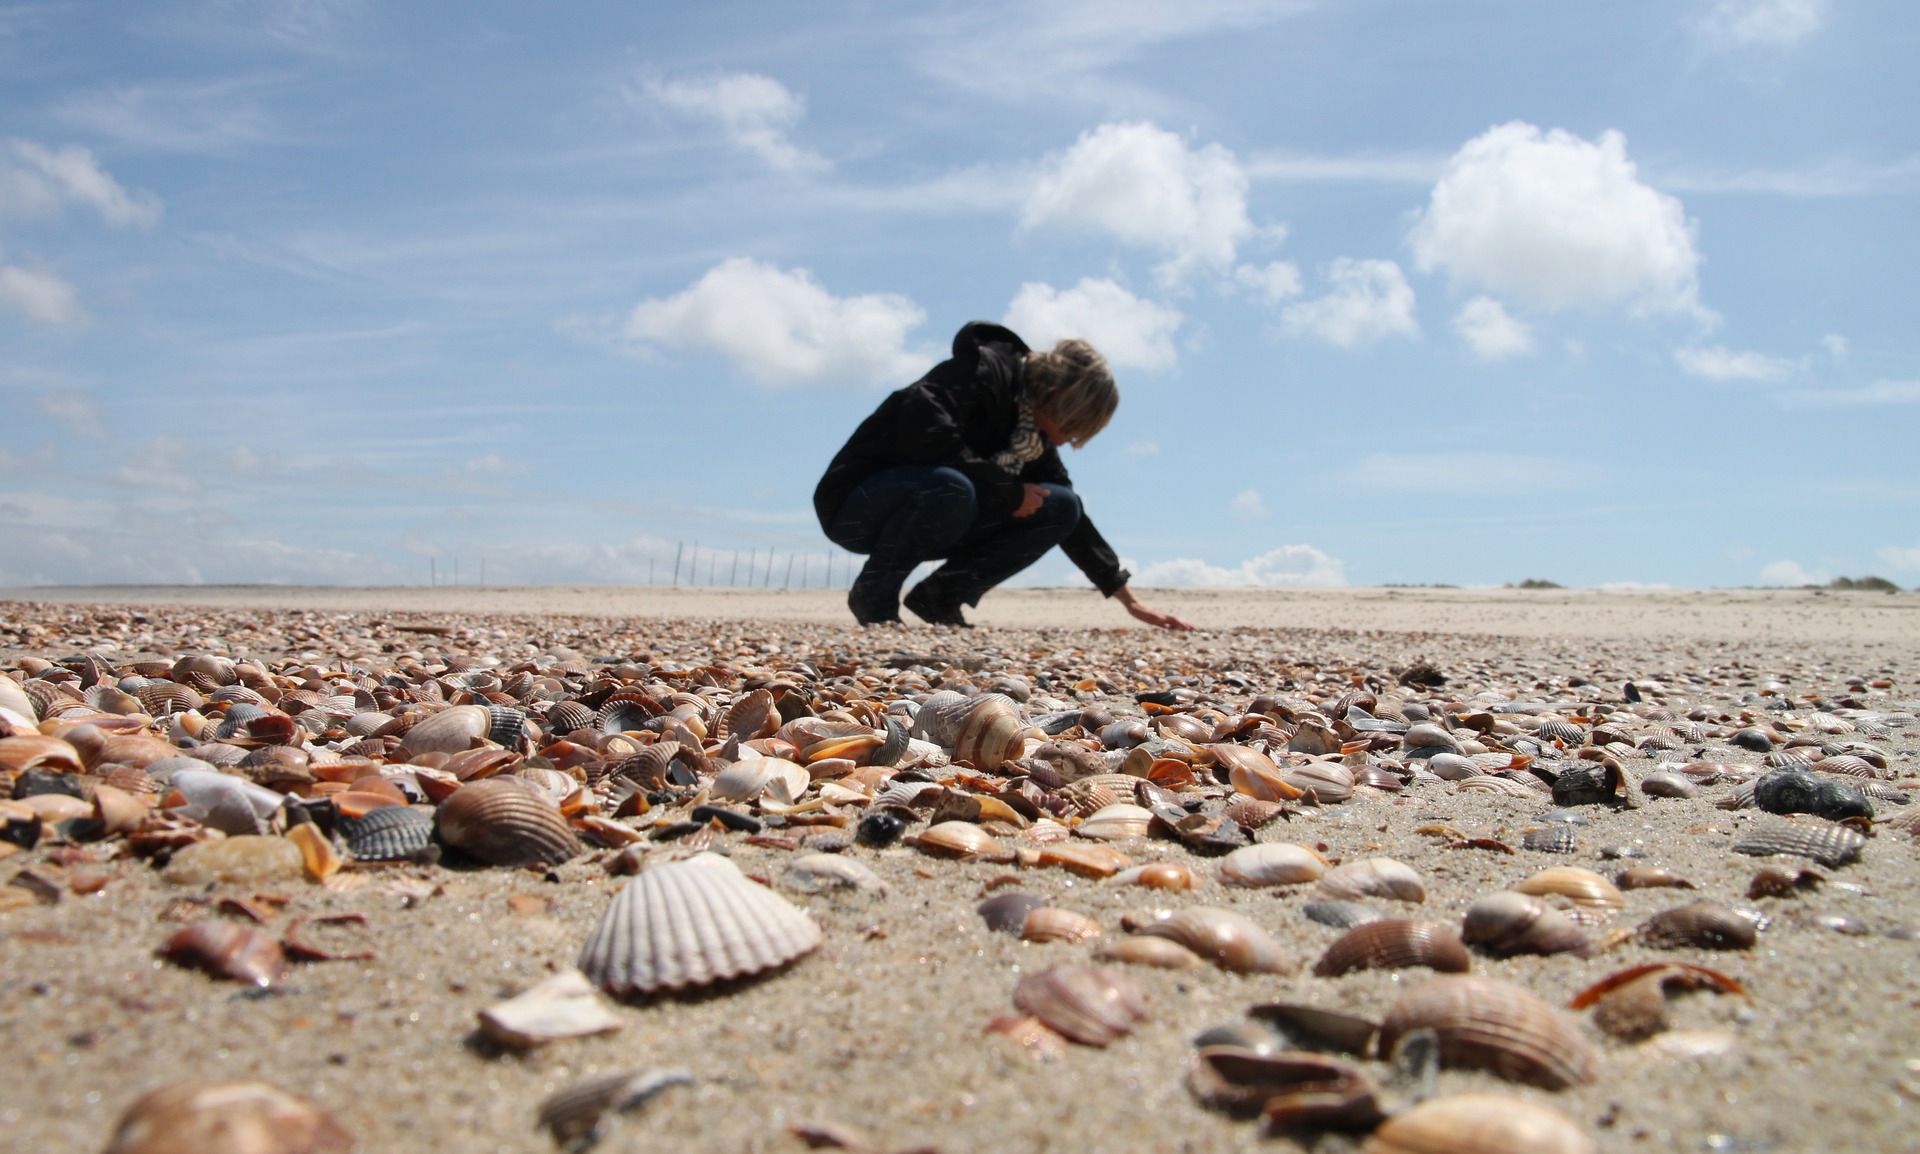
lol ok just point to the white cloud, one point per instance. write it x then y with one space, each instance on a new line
176 116
1763 23
1491 331
1901 560
36 181
1791 573
1248 505
40 295
1556 222
1144 449
77 412
1463 473
1878 393
1290 566
1147 188
1128 331
1723 364
783 328
165 463
1371 300
1274 282
755 113
1836 345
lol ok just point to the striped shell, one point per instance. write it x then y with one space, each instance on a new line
747 780
567 716
1327 782
1394 944
1272 864
1093 1005
390 833
690 923
1830 845
1371 877
502 822
455 729
1493 1025
992 733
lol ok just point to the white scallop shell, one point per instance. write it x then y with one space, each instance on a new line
747 779
691 922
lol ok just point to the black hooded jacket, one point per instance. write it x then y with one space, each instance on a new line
959 415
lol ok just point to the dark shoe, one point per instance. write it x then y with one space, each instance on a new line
870 611
923 599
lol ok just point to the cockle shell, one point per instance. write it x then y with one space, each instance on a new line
1479 1124
1272 864
502 822
1093 1005
1831 845
1706 925
690 923
1372 877
389 833
1508 923
746 780
1493 1025
455 729
1394 944
227 1118
1230 940
1327 782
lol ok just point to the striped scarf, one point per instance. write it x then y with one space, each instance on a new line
1026 444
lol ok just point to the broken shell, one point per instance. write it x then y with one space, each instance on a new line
1272 864
1594 898
1093 1005
689 923
227 950
1341 915
1508 923
1293 1087
815 872
957 839
1371 877
1052 924
502 822
1479 1124
237 860
1163 876
1831 845
1492 1025
1320 1028
1650 877
1141 950
576 1115
1091 860
564 1006
1394 944
1705 925
1116 823
227 1118
1230 940
1253 773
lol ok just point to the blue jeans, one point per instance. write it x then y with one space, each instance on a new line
902 516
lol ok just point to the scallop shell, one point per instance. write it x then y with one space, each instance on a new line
1394 944
1831 845
689 923
1705 925
1372 877
1479 1124
1093 1005
1594 898
1230 940
747 780
1341 915
1508 923
1272 864
502 822
390 833
455 729
1493 1025
227 1118
567 716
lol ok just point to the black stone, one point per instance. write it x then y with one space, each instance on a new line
879 829
1752 739
34 782
730 818
1796 791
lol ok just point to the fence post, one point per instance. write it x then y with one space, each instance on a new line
680 548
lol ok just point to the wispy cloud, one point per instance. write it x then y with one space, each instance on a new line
1838 177
1290 566
39 294
76 412
1465 473
201 116
754 113
1723 364
1732 24
1877 393
1371 300
1279 167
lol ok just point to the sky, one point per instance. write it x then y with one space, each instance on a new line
1604 292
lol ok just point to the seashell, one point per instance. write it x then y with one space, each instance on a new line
1247 1034
564 1006
1254 774
1312 1026
239 860
1118 822
690 923
1141 950
1492 1025
1252 813
455 729
1052 924
1650 877
1426 739
502 822
893 747
960 839
1847 764
1831 845
226 1118
1508 923
1667 784
1092 1005
1493 783
1705 925
1070 761
1092 861
1272 864
37 751
567 716
1294 1088
1633 1002
1162 876
1453 767
1328 783
577 1115
1371 877
1594 898
1479 1124
228 950
629 713
1394 944
1341 915
1557 729
390 833
161 698
1006 913
992 733
746 780
1124 733
1230 940
1558 837
817 872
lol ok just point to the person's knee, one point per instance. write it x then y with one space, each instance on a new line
1063 507
949 496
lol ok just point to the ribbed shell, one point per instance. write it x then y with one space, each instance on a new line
390 833
502 822
1372 877
689 923
1830 845
1394 944
452 730
1493 1025
567 716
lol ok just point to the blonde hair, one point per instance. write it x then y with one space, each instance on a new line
1073 386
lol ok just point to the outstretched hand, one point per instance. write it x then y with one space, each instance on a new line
1144 612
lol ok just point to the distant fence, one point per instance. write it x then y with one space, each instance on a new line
767 567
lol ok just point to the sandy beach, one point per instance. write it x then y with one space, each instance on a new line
882 1028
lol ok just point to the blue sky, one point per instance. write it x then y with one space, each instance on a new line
327 291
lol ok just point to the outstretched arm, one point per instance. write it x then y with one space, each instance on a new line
1146 613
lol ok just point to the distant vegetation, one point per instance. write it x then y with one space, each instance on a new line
1537 583
1869 584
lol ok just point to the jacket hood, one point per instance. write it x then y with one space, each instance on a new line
973 334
